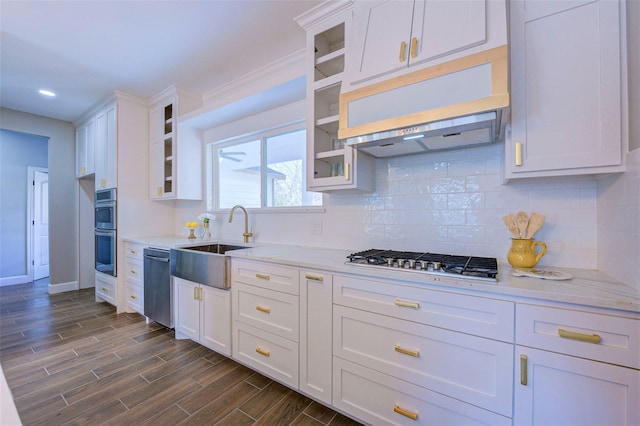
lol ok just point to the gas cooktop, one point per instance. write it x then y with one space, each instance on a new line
472 267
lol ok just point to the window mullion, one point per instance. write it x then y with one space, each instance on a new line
264 193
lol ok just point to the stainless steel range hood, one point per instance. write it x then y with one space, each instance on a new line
476 129
455 104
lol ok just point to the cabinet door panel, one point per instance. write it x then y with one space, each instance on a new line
566 105
444 27
187 319
379 29
215 325
563 390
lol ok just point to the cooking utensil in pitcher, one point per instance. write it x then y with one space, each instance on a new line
510 222
522 222
535 223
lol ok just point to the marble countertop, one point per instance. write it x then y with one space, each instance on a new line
587 287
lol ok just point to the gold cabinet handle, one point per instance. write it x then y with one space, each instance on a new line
582 337
405 351
263 276
103 183
263 309
159 191
313 277
347 171
263 352
133 251
405 304
105 289
518 153
134 297
83 170
134 272
523 369
411 414
414 47
403 51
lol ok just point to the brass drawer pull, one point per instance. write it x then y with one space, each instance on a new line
133 251
263 309
263 352
134 297
134 272
523 369
313 277
405 304
405 351
412 415
589 338
518 153
105 289
263 276
403 50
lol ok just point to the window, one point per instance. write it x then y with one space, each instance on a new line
264 170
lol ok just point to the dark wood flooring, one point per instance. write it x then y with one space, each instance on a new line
69 360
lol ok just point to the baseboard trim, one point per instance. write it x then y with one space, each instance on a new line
18 279
62 287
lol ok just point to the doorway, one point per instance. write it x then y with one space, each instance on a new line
38 211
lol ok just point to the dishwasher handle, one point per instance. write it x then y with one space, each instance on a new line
156 258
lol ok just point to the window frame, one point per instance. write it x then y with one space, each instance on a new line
212 174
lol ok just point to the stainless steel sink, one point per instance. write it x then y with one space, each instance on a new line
205 264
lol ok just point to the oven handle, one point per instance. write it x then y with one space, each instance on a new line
105 232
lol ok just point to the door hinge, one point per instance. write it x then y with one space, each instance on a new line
33 223
33 262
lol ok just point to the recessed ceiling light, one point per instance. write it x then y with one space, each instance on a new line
46 92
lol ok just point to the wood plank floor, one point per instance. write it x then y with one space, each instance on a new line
69 360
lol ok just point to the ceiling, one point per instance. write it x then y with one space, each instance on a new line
83 50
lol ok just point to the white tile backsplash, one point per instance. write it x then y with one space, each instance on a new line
454 201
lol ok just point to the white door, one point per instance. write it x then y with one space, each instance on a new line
40 224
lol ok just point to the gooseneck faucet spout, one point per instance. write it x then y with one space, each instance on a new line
246 233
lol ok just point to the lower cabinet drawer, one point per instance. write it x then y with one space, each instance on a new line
615 340
268 310
106 288
380 399
134 297
266 275
267 353
469 368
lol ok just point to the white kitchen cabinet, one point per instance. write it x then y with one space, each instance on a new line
435 342
175 165
106 149
392 35
576 367
316 334
203 314
331 165
134 277
566 88
106 288
85 148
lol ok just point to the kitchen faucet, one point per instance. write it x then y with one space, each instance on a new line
246 234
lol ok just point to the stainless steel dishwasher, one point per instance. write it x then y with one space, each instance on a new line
158 293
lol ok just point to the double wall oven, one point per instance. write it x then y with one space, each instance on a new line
105 231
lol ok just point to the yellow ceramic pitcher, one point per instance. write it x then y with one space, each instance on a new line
522 253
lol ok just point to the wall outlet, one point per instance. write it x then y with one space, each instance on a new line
316 227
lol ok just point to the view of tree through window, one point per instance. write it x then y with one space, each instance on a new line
264 171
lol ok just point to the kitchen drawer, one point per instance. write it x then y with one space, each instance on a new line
106 288
267 310
267 353
379 399
134 269
267 275
479 316
134 296
577 333
134 250
469 368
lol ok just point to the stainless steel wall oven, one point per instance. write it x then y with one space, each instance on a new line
105 231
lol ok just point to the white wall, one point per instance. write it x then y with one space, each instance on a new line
63 189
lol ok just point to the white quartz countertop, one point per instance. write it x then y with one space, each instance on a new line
587 287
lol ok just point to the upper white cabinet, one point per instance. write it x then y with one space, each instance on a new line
331 165
175 165
85 148
566 89
106 149
391 37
